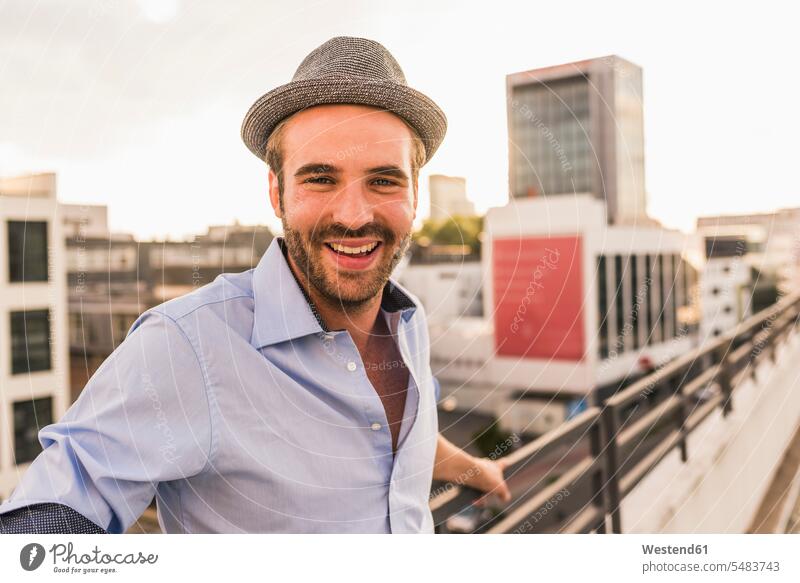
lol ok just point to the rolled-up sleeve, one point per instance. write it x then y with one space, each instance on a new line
143 418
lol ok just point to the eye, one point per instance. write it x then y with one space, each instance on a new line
318 180
384 182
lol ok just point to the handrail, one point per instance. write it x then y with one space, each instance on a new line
594 485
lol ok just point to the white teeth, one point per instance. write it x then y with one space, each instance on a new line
353 250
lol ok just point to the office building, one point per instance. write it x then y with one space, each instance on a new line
577 128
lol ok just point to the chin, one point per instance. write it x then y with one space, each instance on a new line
354 288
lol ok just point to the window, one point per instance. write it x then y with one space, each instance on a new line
637 299
619 297
30 341
649 298
664 295
75 330
29 418
674 290
27 251
602 307
685 282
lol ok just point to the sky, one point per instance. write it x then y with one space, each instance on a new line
137 104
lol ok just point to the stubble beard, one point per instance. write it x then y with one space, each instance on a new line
341 293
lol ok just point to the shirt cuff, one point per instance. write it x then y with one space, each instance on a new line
47 518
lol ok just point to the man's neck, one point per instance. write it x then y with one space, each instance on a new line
361 323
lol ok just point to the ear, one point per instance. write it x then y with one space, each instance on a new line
274 194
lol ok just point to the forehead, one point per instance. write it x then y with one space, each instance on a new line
346 133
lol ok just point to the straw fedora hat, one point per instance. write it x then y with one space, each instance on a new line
346 70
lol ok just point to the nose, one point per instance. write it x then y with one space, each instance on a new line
352 206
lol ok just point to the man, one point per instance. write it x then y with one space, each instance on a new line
297 396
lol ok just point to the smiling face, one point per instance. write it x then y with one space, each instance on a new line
348 197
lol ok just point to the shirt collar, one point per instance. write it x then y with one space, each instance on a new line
283 311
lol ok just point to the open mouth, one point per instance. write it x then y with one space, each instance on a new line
354 251
355 254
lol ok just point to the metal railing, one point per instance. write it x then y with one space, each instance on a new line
595 459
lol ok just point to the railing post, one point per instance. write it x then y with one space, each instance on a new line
609 422
681 414
753 364
595 449
723 377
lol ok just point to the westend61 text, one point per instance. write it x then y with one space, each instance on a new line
672 550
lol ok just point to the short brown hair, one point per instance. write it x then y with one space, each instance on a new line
274 154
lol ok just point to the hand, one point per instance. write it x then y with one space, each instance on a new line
489 479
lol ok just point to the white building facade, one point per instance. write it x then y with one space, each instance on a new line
573 306
33 320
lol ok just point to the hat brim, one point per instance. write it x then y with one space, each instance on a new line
416 108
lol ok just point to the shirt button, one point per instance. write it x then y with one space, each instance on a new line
351 366
375 426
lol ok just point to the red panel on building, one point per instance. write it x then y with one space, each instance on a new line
538 296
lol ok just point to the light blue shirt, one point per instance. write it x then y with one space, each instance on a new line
240 413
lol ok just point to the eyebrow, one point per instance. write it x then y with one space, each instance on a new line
322 168
390 170
316 168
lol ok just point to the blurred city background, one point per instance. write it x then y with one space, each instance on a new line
637 365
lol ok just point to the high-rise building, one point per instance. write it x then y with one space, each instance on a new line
33 320
449 197
577 128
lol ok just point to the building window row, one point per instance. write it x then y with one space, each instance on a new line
550 146
640 299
